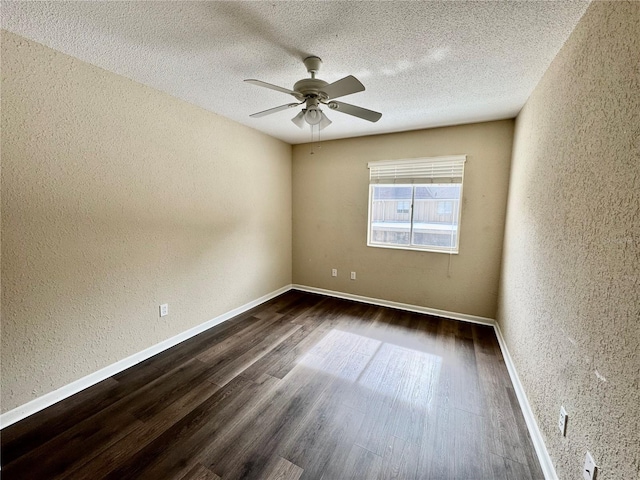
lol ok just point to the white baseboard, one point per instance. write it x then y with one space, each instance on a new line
532 425
400 306
72 388
536 436
40 403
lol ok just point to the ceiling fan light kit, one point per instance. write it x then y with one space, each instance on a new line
298 120
312 92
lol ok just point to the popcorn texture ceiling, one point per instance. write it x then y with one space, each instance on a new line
424 64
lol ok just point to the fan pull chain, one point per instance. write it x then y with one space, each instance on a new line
318 146
312 140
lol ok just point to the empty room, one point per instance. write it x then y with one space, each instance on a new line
320 240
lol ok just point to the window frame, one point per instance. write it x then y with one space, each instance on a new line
411 246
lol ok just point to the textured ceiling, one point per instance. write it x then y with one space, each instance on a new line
424 63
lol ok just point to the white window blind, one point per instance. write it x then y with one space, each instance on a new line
418 170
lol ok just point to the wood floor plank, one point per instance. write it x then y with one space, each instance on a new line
303 386
219 424
438 451
446 393
90 436
524 439
279 304
400 461
517 470
200 472
118 453
192 347
289 360
278 353
166 389
281 413
283 470
26 436
417 397
468 394
238 364
318 313
332 455
361 464
471 454
498 468
313 444
505 427
303 301
379 426
244 339
175 446
320 439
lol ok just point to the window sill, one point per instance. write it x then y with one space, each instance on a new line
414 248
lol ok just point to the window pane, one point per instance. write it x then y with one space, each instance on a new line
391 214
403 207
435 215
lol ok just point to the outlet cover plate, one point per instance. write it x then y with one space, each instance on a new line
590 469
164 309
562 421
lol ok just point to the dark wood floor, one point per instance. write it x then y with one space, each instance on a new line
303 386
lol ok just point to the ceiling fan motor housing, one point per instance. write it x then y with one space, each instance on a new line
311 87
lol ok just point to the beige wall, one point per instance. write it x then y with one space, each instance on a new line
570 289
330 195
116 198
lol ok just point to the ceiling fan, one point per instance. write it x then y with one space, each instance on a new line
312 92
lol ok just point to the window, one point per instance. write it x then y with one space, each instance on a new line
445 208
403 207
415 204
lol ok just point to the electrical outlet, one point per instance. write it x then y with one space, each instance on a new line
562 421
353 275
334 272
590 469
164 309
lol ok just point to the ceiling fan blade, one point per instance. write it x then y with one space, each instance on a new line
260 83
274 110
355 111
342 87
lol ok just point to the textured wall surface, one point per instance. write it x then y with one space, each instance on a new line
570 288
330 201
117 198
